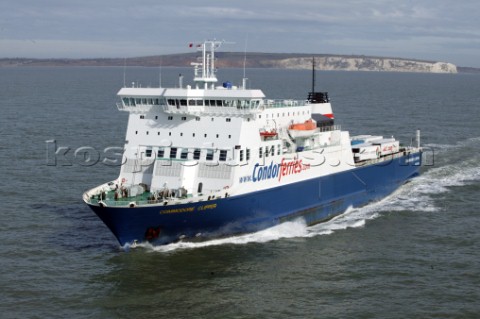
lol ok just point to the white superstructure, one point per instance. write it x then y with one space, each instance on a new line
210 140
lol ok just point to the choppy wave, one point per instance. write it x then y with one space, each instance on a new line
413 196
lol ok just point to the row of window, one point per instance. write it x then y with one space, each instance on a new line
268 150
209 154
184 118
283 114
131 101
194 154
181 134
202 102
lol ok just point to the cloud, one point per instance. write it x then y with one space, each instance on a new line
124 28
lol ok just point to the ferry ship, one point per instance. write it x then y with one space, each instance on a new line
211 160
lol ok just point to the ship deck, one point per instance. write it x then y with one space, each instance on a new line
105 196
110 199
144 198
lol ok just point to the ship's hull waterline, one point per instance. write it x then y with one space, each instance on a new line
315 200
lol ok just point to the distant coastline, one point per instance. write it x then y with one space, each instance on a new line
261 60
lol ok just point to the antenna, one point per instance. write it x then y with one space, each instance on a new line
245 56
244 80
124 70
160 72
313 74
418 138
207 65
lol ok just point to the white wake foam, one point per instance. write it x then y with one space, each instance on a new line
293 229
352 218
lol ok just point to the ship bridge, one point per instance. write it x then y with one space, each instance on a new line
189 101
140 100
234 102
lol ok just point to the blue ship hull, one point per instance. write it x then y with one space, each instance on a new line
315 200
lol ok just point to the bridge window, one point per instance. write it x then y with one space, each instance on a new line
248 154
160 153
223 155
173 152
209 155
184 153
241 155
196 154
148 152
260 152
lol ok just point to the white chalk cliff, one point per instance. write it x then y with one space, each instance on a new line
366 64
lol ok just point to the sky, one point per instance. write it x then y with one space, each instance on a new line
437 30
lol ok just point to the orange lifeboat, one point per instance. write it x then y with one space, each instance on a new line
303 130
271 133
308 125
